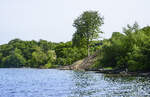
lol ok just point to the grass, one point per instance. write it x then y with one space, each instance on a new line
108 68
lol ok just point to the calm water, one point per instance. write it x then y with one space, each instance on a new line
60 83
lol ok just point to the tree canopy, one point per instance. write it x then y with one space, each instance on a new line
128 50
87 28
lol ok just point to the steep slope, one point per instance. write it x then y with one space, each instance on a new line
83 64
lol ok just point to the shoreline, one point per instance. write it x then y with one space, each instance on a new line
112 72
128 74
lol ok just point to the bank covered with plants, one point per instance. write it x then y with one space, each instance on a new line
127 50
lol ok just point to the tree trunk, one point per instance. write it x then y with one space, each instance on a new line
88 51
88 48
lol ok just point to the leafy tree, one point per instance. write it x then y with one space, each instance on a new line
51 55
39 58
67 54
128 50
1 56
15 59
87 27
45 45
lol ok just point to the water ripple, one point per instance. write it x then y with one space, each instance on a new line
62 83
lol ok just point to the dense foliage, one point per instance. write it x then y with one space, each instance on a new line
41 54
18 53
87 28
67 54
128 50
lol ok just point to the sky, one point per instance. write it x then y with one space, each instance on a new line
52 19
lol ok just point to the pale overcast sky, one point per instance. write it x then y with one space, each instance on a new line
52 19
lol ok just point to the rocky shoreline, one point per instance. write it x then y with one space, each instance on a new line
112 72
84 65
123 73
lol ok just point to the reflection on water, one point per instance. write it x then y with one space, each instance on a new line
90 84
82 84
61 83
130 86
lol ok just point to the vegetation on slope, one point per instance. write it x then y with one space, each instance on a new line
129 50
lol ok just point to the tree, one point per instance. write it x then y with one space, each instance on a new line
87 27
15 59
45 45
39 58
51 56
1 56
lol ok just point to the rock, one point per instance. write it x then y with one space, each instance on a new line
83 64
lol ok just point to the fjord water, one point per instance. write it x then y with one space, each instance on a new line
62 83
